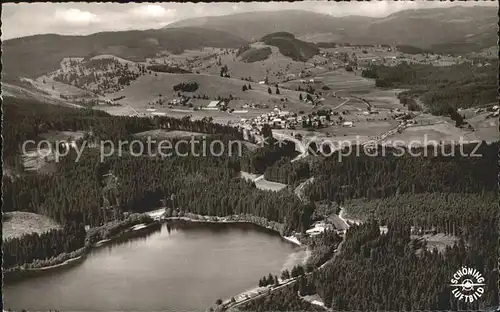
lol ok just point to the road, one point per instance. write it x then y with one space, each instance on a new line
299 191
341 104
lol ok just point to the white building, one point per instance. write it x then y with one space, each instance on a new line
158 114
213 104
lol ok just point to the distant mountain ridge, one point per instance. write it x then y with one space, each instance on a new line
254 25
36 55
474 27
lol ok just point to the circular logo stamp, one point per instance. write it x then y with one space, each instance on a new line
467 284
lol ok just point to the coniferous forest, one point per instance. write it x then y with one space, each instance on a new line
396 270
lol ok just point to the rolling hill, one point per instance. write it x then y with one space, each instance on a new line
442 29
288 45
36 55
146 89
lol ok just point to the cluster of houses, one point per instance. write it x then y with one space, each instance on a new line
494 110
280 119
276 119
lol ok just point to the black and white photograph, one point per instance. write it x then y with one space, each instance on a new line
312 156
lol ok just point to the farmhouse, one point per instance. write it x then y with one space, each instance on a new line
105 101
213 105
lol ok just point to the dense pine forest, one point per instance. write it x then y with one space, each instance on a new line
287 172
286 299
391 271
262 158
382 176
456 195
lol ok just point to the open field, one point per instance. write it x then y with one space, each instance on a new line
362 130
63 135
17 223
314 299
276 67
187 58
484 128
165 134
147 88
118 110
439 241
29 92
381 98
339 81
262 183
56 89
337 222
265 185
444 132
39 159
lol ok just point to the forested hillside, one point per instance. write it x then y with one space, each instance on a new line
383 271
382 176
455 195
79 192
442 89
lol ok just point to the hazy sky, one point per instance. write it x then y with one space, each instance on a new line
26 19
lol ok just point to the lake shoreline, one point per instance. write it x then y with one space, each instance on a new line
20 272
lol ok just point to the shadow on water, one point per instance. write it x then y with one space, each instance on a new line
216 227
130 237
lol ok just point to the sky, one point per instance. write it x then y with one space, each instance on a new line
80 18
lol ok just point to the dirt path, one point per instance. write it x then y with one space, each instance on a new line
299 191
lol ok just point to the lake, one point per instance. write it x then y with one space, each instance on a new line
182 266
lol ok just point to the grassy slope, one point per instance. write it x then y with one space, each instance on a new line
147 88
17 223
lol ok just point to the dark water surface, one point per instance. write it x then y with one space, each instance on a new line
183 266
